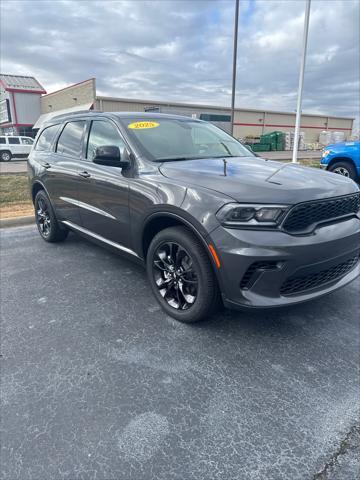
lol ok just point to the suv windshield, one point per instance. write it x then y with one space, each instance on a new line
170 139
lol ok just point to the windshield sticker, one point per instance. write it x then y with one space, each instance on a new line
142 125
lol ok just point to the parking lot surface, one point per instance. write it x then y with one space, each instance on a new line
15 166
98 383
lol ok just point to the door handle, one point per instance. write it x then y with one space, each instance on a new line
84 174
46 165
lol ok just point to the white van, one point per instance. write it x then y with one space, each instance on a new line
14 146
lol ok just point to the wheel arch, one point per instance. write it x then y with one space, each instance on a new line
341 159
159 221
6 150
35 188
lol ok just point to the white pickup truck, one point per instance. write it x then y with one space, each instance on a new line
14 146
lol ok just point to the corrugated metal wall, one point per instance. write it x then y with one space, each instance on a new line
107 104
247 122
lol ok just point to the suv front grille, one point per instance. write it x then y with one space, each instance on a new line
303 283
304 217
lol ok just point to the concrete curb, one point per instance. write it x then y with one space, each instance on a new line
16 221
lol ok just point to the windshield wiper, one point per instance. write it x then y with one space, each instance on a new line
223 156
176 159
226 148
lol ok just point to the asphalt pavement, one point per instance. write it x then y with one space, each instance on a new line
97 383
287 155
14 166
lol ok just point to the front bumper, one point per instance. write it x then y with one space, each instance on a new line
272 268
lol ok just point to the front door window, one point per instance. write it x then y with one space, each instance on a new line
103 133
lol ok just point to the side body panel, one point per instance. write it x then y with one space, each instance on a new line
153 197
61 181
104 202
146 198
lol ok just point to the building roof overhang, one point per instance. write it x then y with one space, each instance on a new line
45 117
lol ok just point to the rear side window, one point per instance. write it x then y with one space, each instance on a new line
70 140
14 141
2 140
27 141
46 138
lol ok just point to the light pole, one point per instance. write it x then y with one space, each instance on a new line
234 65
301 82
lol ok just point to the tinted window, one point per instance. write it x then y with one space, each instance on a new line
103 133
69 142
27 141
214 117
14 141
173 139
2 140
46 138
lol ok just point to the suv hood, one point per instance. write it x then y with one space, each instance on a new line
253 179
342 145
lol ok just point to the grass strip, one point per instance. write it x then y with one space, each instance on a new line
15 199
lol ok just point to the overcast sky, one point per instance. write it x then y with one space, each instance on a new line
182 50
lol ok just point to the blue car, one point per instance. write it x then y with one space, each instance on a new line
342 158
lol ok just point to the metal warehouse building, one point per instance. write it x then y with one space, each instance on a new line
248 122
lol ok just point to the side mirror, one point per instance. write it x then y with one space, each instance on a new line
110 155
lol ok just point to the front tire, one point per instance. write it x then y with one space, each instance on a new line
5 156
181 276
46 221
343 168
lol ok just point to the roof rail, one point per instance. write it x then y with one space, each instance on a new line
77 112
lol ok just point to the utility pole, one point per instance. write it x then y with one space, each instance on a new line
234 65
301 82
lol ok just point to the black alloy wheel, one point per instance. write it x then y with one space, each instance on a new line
43 219
181 275
46 221
175 275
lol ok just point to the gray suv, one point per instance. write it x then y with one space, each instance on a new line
212 223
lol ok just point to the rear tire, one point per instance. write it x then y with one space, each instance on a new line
181 275
46 220
5 156
344 168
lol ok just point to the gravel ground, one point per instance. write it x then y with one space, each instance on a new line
98 383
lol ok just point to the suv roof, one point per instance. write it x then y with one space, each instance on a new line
89 113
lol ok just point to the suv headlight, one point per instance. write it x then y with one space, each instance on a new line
244 215
325 153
